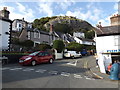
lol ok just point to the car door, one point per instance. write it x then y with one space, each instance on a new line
46 56
40 57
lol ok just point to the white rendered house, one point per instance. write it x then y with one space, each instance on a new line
108 44
6 27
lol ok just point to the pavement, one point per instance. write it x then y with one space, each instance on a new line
91 64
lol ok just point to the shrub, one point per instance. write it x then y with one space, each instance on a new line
27 43
58 45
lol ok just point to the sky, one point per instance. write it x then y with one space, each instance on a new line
90 11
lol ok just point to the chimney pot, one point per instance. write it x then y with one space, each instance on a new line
4 8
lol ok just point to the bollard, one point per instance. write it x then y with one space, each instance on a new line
114 72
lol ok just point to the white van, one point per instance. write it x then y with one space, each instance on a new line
72 54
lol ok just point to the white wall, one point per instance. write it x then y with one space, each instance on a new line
78 40
83 42
79 34
58 55
106 43
4 38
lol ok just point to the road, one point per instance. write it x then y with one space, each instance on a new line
67 73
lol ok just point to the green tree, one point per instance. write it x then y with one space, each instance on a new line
42 47
90 34
64 28
15 41
75 46
59 45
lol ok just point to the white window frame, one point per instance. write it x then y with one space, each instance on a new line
28 35
116 40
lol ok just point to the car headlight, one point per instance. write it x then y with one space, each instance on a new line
28 58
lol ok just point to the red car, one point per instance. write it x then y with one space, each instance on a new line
36 58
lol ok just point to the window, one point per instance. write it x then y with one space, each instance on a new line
28 35
36 35
20 25
41 54
46 53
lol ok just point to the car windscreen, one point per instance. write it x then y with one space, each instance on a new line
73 52
33 54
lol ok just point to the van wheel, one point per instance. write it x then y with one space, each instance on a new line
33 63
51 61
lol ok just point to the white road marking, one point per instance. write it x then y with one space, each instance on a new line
53 72
65 74
77 76
92 79
89 78
4 68
16 69
41 70
73 63
28 69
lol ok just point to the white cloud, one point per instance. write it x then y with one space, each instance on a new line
78 14
93 15
105 22
116 6
66 3
46 8
90 5
19 12
21 7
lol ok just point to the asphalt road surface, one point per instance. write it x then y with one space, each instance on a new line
67 73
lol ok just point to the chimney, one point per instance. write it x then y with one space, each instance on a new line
115 20
4 13
51 28
99 25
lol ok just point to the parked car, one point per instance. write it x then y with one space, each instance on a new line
84 52
72 54
36 58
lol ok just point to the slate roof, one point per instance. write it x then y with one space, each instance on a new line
109 30
59 34
5 19
42 32
69 38
84 39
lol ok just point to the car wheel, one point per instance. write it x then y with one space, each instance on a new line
33 63
73 57
51 61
